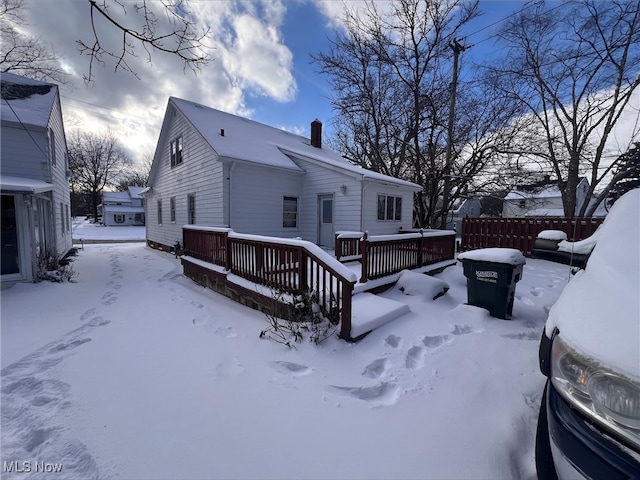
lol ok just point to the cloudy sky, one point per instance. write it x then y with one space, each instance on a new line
261 66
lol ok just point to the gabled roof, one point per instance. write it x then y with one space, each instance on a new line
26 101
236 138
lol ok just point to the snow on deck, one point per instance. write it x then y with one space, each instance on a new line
369 311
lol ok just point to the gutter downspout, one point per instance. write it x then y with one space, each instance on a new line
364 184
231 169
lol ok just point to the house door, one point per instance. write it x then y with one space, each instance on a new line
10 252
325 221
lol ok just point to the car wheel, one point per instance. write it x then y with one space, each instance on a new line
544 458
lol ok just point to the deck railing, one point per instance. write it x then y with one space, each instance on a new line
284 265
521 233
386 255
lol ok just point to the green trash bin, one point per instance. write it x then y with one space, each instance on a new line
492 274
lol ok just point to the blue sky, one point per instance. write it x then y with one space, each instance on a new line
261 65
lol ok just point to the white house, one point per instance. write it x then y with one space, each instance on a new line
540 199
469 207
33 177
214 168
122 208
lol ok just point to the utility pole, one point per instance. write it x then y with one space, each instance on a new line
446 190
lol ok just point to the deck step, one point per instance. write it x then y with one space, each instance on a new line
369 311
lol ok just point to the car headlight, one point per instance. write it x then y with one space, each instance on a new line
610 399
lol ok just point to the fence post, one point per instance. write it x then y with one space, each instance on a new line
421 255
337 247
364 252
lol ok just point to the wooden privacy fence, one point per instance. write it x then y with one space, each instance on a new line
283 265
520 233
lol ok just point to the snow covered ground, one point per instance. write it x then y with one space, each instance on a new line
135 372
86 231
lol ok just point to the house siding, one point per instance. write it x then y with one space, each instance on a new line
370 209
61 193
257 195
319 180
201 173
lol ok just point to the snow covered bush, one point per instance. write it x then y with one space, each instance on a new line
298 318
55 268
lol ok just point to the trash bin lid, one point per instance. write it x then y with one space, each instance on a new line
510 256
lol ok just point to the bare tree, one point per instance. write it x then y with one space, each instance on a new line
96 161
135 175
573 68
165 28
23 54
391 74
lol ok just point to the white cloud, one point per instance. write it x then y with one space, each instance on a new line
249 59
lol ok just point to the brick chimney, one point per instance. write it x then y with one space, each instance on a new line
316 133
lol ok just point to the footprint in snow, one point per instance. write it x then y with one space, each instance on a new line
227 332
393 341
536 292
228 369
382 394
63 347
435 341
87 314
98 322
376 368
196 304
463 330
415 357
293 369
523 336
110 300
525 300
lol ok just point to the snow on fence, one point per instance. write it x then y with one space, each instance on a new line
289 266
521 233
385 255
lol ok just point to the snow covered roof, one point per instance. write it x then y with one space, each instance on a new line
9 183
542 189
236 138
116 197
135 192
26 101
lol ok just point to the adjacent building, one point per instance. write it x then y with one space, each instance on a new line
34 174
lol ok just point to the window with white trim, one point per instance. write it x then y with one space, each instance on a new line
290 212
191 202
176 151
172 209
118 218
389 207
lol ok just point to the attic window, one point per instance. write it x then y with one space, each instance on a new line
176 151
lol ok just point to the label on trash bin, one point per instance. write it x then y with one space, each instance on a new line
487 276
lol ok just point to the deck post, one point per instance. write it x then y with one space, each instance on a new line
345 312
227 260
364 252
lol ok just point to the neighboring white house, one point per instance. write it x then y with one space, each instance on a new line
33 177
540 199
469 207
214 168
122 208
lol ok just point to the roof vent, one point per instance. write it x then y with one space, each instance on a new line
316 133
222 132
